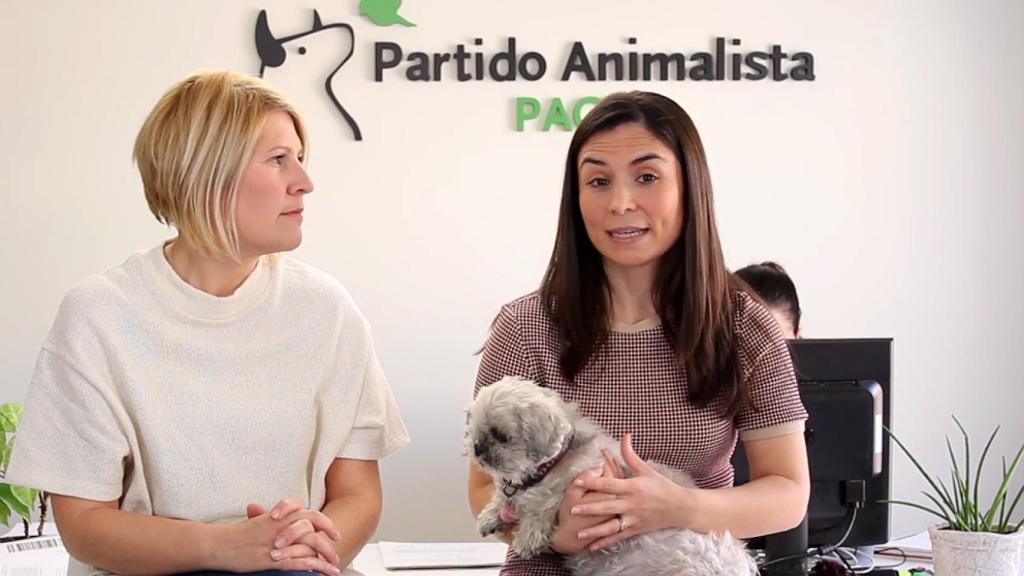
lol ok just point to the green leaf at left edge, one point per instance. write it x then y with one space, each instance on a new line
26 496
10 415
5 456
5 513
14 501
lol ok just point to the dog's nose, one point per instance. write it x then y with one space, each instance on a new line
478 449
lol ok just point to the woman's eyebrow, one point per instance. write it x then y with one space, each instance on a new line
638 160
284 148
646 157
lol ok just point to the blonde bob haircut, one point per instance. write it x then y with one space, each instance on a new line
193 147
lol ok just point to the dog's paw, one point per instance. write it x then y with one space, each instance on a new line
488 525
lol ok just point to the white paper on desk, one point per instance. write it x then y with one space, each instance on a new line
917 546
39 556
408 556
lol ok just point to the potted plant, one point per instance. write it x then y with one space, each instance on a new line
16 499
973 538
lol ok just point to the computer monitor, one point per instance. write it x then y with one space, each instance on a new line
839 379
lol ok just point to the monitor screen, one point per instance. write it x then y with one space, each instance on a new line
844 383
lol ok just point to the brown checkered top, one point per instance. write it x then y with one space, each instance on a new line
634 385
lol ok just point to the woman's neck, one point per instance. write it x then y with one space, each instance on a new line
632 293
215 275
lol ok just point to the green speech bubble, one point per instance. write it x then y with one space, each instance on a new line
383 12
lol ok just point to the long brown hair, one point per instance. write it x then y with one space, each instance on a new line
692 290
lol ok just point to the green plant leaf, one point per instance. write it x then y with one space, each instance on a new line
977 479
957 482
951 519
955 498
1013 506
917 464
26 496
1003 487
14 501
5 513
1002 505
10 414
955 508
967 457
918 506
957 504
5 456
966 511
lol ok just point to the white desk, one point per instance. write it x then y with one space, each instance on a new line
369 563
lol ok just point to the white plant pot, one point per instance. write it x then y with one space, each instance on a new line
975 553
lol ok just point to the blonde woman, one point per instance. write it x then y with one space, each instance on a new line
210 404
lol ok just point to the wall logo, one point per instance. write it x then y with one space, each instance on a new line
273 51
724 59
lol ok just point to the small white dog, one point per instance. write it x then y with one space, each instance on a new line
534 445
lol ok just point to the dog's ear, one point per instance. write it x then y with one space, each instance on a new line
528 432
543 433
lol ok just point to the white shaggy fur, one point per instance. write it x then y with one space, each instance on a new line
514 426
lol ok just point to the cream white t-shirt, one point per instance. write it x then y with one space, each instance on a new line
185 405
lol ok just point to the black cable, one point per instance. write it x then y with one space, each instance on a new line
854 555
826 550
900 563
843 560
849 529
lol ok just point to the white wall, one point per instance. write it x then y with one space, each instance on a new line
890 187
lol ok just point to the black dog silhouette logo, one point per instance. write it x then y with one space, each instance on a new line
312 53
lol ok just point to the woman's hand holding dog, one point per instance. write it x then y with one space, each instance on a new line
644 503
292 538
568 539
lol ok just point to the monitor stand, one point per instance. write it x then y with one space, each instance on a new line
784 545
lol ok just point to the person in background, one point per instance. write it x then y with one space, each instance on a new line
771 282
639 323
211 405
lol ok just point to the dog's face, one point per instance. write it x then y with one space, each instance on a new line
515 425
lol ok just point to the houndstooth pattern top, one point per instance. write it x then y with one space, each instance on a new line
634 385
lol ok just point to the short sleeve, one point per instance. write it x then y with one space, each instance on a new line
773 406
378 429
505 353
69 440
